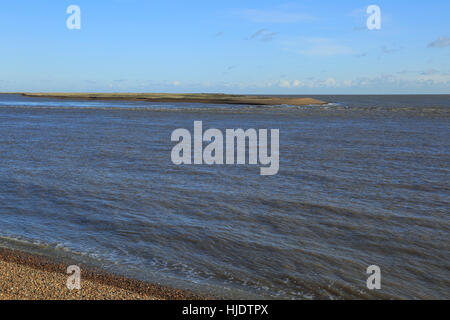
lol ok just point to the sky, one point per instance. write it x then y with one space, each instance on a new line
233 46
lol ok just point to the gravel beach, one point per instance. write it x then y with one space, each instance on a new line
30 277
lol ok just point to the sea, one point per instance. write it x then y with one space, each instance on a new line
363 181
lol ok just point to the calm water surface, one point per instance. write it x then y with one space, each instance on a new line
362 181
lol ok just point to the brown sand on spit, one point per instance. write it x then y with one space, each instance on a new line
30 277
192 98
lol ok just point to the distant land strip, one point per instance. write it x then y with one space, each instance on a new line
189 98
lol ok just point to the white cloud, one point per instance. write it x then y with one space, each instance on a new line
390 80
322 47
436 79
358 13
326 50
313 83
285 84
429 72
330 82
390 49
442 42
263 35
274 16
297 83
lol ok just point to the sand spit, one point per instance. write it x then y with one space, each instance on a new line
188 98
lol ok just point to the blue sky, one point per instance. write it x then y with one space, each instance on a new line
267 47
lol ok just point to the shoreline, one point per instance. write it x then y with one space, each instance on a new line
25 276
183 98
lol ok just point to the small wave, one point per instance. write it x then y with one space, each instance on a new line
35 246
240 109
58 251
159 108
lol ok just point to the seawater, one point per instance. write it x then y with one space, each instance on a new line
363 181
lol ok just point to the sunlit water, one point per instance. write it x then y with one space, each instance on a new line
363 181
